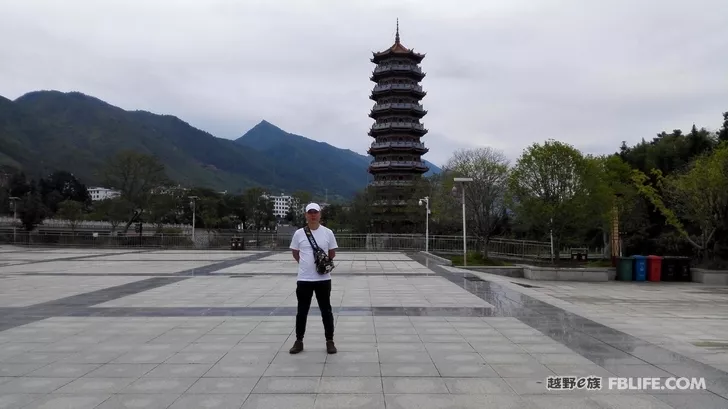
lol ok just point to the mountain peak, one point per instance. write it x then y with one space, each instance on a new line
265 125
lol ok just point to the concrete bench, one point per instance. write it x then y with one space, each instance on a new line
711 277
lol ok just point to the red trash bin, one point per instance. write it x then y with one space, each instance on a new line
654 266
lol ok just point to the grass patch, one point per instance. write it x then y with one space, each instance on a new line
599 263
477 259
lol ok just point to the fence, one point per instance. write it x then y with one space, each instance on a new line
61 225
267 240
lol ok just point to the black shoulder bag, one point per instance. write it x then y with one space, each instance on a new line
324 265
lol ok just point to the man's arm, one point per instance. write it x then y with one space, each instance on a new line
294 247
332 245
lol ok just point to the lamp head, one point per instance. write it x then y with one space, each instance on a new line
420 202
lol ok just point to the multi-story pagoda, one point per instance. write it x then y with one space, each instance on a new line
397 149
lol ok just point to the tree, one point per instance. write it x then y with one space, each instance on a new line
485 195
164 208
723 132
616 180
553 188
236 209
299 200
263 213
115 211
31 210
60 186
209 212
360 212
698 195
72 211
135 175
18 184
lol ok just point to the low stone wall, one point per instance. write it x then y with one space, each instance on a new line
439 259
505 271
569 274
711 277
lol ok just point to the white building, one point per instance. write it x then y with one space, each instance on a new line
281 205
101 193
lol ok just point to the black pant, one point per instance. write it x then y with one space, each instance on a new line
304 292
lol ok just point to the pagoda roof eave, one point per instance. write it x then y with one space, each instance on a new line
390 52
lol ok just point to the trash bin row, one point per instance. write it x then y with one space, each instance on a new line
654 268
237 243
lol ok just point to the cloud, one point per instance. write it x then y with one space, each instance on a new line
500 73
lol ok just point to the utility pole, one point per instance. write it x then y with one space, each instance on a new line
14 201
426 201
194 211
462 182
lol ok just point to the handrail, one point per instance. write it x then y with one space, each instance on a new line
386 87
391 67
398 125
383 164
395 144
407 105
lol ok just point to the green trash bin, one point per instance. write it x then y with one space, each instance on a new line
624 269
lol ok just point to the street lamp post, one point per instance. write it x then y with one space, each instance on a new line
462 182
426 200
194 211
551 236
14 201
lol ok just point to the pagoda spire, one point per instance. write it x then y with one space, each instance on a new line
396 36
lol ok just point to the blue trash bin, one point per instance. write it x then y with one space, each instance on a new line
640 268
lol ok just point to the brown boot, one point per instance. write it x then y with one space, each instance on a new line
330 347
297 347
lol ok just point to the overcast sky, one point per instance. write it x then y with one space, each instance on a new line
500 73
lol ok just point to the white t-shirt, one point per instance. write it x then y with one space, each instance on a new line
306 264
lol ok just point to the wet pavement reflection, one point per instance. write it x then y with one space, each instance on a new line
606 347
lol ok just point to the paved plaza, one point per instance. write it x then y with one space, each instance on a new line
211 329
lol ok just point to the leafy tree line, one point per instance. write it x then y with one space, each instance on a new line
670 194
146 195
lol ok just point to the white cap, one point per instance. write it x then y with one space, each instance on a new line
313 206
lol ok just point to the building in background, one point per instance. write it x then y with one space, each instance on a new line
101 193
397 148
281 204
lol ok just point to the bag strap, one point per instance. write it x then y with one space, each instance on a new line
311 239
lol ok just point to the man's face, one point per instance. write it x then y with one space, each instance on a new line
313 216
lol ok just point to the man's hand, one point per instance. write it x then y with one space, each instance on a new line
332 253
296 255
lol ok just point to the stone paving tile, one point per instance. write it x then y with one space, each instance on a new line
687 318
23 291
404 355
280 291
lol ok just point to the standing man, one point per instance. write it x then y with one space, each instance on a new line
309 280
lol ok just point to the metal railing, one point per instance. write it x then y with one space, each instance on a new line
391 183
388 87
398 105
272 241
408 125
376 145
398 67
61 224
389 203
398 163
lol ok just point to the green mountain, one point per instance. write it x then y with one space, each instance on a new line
44 131
319 164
